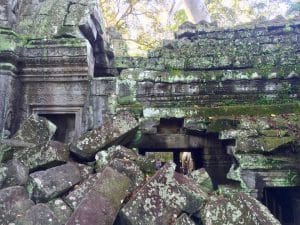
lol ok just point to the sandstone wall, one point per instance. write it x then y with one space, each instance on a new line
8 79
240 84
208 66
49 53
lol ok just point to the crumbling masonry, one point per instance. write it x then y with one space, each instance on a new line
231 96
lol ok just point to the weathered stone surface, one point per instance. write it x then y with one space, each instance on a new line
265 147
115 152
8 13
66 17
146 165
46 185
50 154
3 173
16 175
60 209
113 131
236 209
6 152
39 214
85 170
262 144
184 220
35 130
202 179
74 198
109 183
14 202
94 209
32 146
128 168
114 186
197 75
166 194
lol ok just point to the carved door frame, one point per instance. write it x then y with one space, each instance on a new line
62 110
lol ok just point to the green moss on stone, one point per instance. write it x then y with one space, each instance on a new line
222 124
126 100
7 66
290 179
274 133
258 161
223 111
272 143
8 43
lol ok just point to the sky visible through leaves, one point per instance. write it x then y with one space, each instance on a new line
144 23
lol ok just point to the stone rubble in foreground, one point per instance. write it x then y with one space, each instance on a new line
119 191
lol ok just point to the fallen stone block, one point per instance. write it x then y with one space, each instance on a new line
48 184
6 152
115 152
202 178
51 154
93 210
110 183
16 175
3 174
236 209
184 220
85 170
112 132
166 194
35 130
114 186
14 202
39 214
130 169
60 209
75 196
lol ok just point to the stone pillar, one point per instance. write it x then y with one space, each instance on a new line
7 79
8 57
102 100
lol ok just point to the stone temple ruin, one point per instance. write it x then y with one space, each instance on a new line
229 96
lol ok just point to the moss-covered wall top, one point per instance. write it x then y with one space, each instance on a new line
206 66
267 46
44 19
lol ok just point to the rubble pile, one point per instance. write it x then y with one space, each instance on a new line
41 183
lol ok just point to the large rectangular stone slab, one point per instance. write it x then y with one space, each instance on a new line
48 184
113 131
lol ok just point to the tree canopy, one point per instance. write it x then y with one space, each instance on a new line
144 23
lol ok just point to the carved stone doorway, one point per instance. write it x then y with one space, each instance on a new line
67 119
65 124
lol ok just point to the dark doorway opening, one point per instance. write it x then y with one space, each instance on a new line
284 203
65 124
170 126
206 149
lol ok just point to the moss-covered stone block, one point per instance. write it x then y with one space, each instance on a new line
270 144
9 41
222 111
259 161
222 124
6 152
274 133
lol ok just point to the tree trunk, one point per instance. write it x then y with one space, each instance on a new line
196 11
